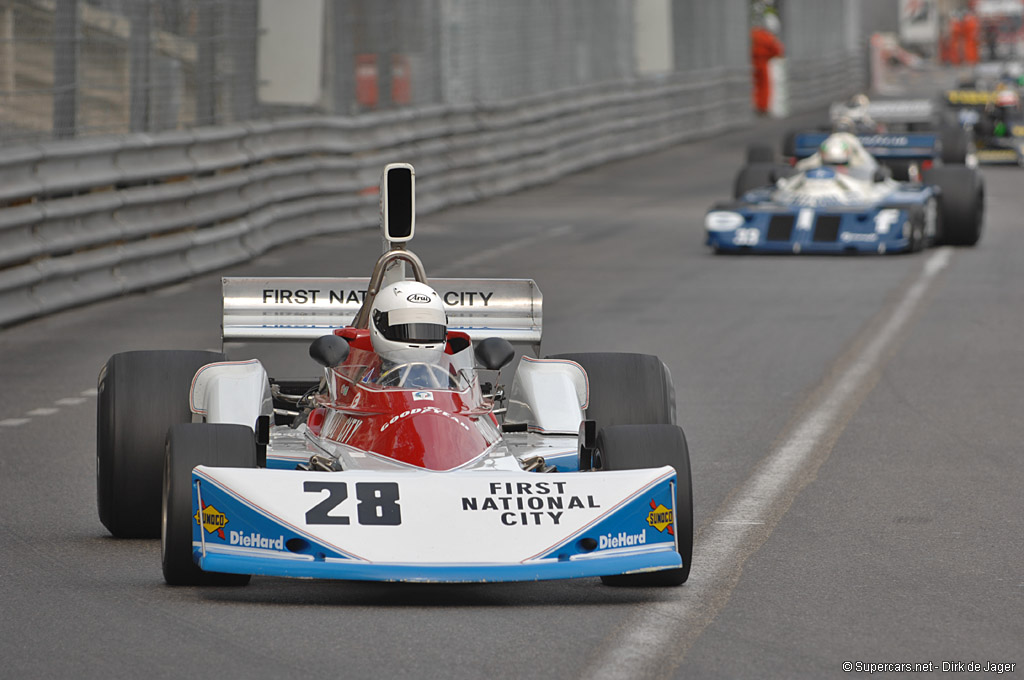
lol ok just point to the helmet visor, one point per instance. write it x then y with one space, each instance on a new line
419 333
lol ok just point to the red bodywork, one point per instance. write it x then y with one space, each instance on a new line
433 429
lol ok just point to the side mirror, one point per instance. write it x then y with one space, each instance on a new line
494 353
398 202
329 350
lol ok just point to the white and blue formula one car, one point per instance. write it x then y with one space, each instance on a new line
853 205
381 455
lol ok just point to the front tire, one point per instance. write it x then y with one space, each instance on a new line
961 203
189 445
140 395
627 389
636 447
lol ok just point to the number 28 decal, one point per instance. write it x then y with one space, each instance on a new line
377 503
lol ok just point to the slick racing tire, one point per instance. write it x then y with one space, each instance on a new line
753 176
635 447
760 153
955 144
189 445
627 389
961 203
789 144
140 395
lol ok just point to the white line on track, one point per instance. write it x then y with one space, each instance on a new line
13 422
70 401
42 412
91 392
654 640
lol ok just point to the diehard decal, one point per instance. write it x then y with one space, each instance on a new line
254 540
660 518
211 519
621 540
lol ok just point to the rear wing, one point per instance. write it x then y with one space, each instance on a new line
275 319
893 111
970 98
882 145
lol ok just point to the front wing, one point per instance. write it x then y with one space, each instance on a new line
818 229
463 526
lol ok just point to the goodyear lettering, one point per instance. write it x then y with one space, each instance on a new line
424 409
621 540
528 503
466 298
254 540
884 140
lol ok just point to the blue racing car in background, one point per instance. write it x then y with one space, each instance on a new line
839 196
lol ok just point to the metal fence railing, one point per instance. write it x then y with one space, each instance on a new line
74 68
146 141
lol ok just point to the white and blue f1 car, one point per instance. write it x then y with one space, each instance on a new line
367 469
814 207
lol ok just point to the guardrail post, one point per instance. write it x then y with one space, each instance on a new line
138 58
65 68
342 64
206 48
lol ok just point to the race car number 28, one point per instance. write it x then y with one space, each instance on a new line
376 503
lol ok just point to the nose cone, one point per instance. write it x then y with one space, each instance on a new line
431 438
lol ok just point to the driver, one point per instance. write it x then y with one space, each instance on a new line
843 152
408 326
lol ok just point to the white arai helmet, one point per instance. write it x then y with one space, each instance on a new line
408 323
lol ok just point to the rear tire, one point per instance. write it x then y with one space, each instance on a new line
955 144
961 203
140 395
753 176
760 153
189 445
627 389
636 447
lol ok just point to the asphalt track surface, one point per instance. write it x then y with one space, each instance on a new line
854 425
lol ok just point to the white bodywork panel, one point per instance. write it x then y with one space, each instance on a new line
234 392
549 395
524 515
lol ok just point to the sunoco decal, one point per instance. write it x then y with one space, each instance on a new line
660 518
211 519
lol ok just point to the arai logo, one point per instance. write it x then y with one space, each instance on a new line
418 298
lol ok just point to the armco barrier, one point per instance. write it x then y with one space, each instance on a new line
94 218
